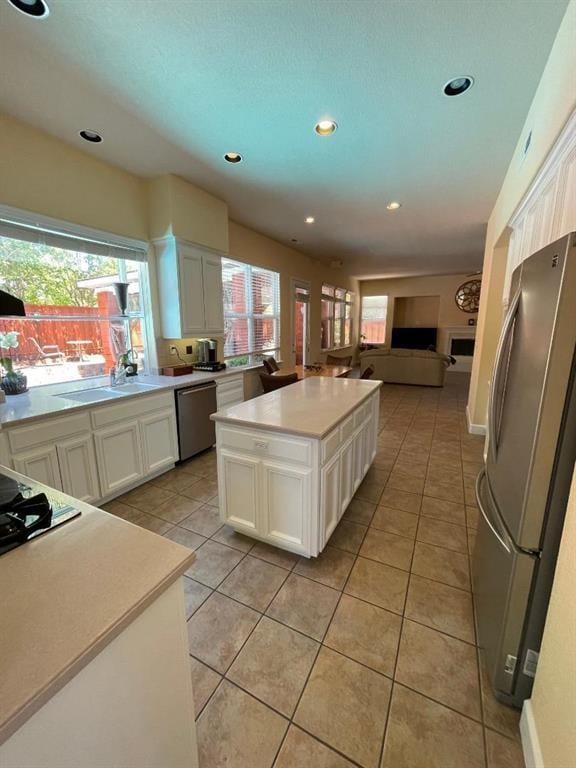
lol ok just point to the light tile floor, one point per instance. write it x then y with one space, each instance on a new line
365 656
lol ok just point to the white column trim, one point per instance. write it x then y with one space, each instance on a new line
529 735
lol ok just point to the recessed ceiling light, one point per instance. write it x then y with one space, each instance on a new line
325 127
233 157
37 9
393 206
458 85
309 219
91 136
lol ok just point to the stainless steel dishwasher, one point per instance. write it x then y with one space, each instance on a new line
196 431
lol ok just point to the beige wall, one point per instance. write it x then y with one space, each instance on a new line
553 102
252 247
441 286
44 175
554 694
416 311
183 210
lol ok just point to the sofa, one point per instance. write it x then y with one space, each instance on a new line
406 366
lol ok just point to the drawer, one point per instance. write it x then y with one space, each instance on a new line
229 383
346 428
330 445
48 431
265 444
104 415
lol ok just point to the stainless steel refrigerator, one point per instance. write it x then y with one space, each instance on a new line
522 492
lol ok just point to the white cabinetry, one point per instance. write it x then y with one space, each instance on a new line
40 464
240 475
229 391
190 289
331 501
288 490
119 456
159 441
99 452
77 463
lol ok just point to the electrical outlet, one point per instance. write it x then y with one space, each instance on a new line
173 350
188 349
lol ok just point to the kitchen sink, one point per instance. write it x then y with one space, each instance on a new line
131 389
89 395
106 393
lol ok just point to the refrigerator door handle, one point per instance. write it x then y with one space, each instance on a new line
495 383
498 531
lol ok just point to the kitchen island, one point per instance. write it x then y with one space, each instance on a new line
290 461
94 666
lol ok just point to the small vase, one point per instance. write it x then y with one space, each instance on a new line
14 383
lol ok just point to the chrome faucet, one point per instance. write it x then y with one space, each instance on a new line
118 374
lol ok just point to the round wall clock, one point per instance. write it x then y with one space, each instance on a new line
467 296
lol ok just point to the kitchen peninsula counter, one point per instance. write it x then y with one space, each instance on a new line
290 461
74 600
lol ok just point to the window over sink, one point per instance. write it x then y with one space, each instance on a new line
251 298
74 326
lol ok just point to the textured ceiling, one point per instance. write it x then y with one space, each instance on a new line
172 85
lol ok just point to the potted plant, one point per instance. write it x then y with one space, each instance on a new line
12 382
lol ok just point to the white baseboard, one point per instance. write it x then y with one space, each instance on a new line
529 736
474 429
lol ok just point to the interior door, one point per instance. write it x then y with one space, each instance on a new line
520 395
301 321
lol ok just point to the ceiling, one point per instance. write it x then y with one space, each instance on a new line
173 85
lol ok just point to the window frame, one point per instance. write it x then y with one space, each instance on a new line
253 354
363 319
137 251
344 298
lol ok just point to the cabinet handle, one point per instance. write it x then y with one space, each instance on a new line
261 445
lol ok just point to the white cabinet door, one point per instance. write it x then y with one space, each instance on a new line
40 464
213 304
367 447
346 475
358 441
286 506
159 441
119 456
191 290
239 490
330 504
77 461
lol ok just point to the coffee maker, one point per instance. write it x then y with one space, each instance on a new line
208 356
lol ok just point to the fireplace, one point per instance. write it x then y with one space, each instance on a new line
463 347
459 342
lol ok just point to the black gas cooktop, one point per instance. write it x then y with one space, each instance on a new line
25 513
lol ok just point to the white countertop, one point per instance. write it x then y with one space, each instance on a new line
311 407
69 592
49 400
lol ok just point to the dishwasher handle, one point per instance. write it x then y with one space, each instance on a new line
193 390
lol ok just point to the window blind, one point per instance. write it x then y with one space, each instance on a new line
60 237
251 309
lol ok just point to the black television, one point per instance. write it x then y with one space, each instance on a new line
414 338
